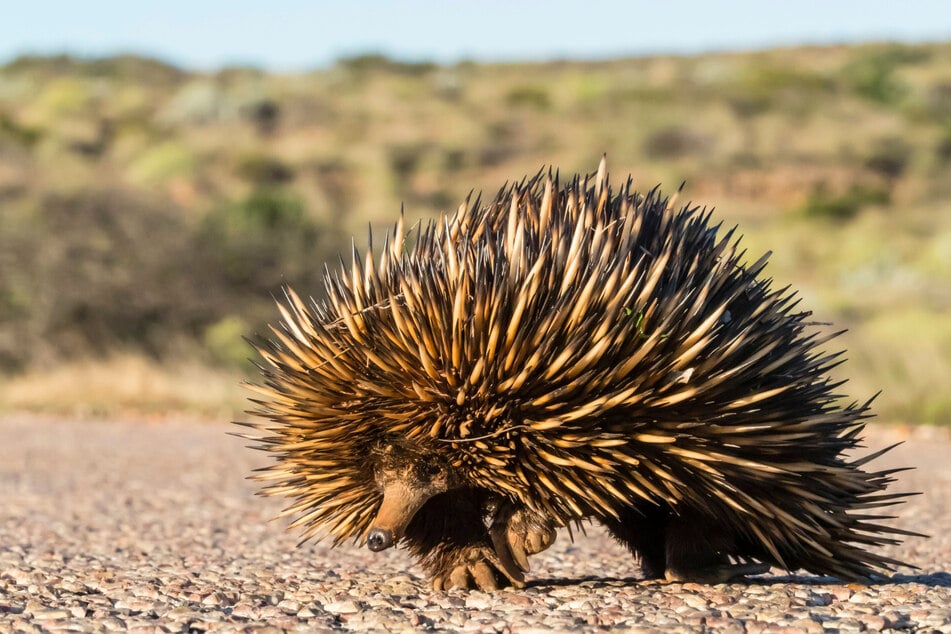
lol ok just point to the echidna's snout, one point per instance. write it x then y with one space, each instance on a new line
401 501
407 481
379 539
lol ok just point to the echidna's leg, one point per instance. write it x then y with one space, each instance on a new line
517 532
694 552
643 529
450 538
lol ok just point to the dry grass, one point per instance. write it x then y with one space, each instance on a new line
126 385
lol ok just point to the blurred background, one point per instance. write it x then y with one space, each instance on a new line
164 169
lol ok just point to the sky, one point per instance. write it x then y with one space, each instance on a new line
295 35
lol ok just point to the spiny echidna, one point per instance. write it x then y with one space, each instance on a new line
560 355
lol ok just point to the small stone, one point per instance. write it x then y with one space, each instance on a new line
694 601
134 605
819 599
33 606
845 625
341 607
8 607
216 598
805 625
181 612
583 605
723 625
113 624
519 600
145 592
477 601
269 612
841 593
290 606
860 597
244 611
50 615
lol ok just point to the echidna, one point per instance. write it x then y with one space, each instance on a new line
563 354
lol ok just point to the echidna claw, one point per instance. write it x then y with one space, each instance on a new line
508 558
459 577
517 533
480 568
483 576
538 538
716 574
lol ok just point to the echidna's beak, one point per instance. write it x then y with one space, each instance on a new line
400 503
379 539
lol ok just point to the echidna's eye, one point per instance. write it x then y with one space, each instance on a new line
428 471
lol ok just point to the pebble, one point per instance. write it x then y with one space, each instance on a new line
244 611
342 607
290 606
695 601
179 542
50 615
478 601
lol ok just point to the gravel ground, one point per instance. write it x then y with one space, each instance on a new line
151 526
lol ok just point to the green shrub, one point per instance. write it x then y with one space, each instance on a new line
453 159
256 244
375 62
404 160
843 206
889 157
762 87
503 143
531 96
107 270
675 142
264 170
872 75
99 270
161 162
937 102
23 135
63 96
225 343
943 148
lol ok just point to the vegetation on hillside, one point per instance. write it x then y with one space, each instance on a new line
149 213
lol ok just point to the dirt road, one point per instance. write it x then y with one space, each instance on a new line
151 526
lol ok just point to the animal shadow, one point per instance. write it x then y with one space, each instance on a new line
934 580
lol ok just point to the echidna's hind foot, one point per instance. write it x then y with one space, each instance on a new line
679 546
715 574
695 550
643 530
475 567
517 533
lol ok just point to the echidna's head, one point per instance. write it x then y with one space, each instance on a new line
407 476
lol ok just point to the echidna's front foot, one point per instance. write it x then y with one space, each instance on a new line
716 574
476 567
517 533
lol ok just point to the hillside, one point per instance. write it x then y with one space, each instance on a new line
148 213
